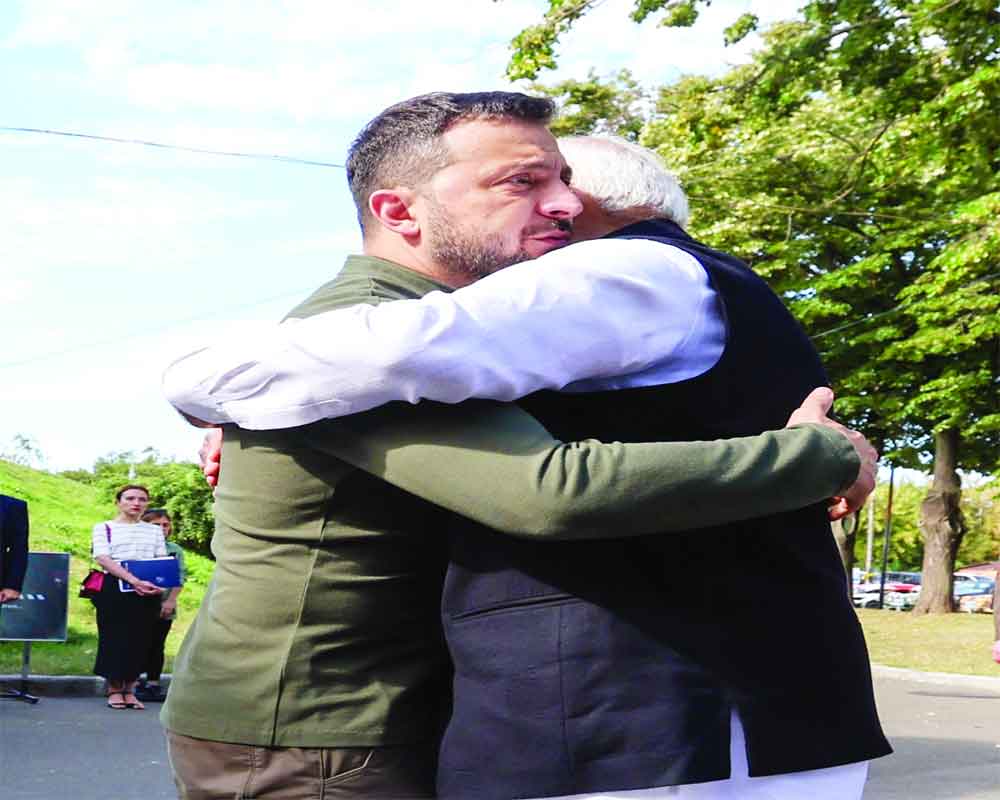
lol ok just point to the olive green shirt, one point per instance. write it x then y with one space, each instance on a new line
321 624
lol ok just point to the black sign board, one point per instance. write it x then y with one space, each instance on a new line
40 614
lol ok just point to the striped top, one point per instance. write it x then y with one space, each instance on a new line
136 540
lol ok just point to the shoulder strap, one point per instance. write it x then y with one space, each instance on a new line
107 532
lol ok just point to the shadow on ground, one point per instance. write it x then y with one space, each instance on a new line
936 769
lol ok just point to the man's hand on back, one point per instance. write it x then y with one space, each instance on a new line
210 455
815 409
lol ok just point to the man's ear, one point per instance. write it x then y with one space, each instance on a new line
392 209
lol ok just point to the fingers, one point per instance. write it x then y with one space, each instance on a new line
211 446
814 408
210 455
838 509
819 399
856 495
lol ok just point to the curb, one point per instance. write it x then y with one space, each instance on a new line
62 685
947 678
93 686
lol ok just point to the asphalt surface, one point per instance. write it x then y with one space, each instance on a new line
945 730
946 737
77 748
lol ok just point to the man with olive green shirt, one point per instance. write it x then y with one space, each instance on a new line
317 654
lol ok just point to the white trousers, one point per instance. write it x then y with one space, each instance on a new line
834 783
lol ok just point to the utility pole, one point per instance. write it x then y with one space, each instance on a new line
888 536
871 533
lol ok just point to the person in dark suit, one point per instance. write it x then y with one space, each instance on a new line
13 547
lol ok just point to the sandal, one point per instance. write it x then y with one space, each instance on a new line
134 702
117 705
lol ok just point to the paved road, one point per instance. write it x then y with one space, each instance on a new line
946 735
75 748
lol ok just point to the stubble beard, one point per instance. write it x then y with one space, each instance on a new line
464 253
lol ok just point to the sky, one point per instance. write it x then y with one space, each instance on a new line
116 258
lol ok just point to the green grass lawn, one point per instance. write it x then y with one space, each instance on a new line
936 643
64 511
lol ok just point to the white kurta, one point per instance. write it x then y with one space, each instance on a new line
578 317
835 783
598 315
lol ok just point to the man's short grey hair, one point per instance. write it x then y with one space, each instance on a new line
623 177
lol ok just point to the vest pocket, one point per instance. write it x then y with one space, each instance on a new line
519 604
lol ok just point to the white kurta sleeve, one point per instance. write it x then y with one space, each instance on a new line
588 312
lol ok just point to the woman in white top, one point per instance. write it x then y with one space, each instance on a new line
127 607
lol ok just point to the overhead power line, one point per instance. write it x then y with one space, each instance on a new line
165 146
294 160
119 338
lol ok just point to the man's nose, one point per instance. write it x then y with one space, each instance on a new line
561 203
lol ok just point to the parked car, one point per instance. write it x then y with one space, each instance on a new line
976 603
866 599
972 592
902 601
972 584
894 582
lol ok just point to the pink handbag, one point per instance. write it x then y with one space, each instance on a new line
92 584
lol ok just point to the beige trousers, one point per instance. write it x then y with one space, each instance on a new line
207 770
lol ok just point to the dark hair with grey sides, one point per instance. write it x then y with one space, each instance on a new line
402 145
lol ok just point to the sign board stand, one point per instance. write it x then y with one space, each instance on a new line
39 615
22 693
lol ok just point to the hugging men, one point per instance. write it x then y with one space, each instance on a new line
599 643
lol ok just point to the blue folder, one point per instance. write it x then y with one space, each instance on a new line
164 572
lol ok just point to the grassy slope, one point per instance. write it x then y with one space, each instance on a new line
62 513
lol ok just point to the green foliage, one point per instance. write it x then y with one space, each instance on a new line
679 14
905 543
854 164
981 506
595 105
177 486
740 29
533 49
62 513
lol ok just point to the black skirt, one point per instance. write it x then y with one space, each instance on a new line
125 624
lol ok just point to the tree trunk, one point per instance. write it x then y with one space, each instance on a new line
942 527
845 531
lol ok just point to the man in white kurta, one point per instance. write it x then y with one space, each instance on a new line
598 315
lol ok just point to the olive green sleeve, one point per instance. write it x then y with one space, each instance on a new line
497 465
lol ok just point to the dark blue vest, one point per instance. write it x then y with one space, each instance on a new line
614 664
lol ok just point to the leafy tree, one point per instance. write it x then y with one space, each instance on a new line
854 164
179 487
23 450
611 105
905 543
981 507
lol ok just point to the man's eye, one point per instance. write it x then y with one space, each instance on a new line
521 180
